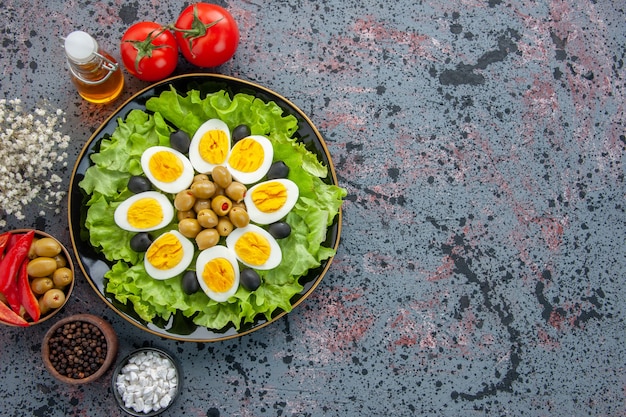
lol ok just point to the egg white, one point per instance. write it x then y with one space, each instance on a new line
259 173
260 217
276 254
206 256
181 183
121 212
188 252
199 163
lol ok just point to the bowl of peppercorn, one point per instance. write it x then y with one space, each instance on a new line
79 349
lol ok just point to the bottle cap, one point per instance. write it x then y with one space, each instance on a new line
80 46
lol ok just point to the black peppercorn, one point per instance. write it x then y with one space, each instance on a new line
77 350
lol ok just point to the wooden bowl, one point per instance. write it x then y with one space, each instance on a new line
66 290
51 357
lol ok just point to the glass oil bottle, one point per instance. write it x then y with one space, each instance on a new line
96 75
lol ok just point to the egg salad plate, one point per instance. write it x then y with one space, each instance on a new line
205 208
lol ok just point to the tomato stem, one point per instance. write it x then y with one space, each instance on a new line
197 30
145 47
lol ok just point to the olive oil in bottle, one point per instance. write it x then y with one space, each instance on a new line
96 75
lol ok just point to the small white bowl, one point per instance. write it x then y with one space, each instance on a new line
175 366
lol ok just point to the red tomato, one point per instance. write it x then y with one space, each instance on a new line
207 34
149 51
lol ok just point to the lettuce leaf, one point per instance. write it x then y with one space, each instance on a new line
104 233
119 157
190 111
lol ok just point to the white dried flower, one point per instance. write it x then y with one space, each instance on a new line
29 151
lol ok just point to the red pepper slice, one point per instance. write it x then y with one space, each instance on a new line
11 262
26 296
8 316
13 298
13 240
4 239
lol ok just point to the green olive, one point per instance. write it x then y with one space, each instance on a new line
31 250
43 307
207 218
189 228
200 177
236 191
207 238
188 214
221 176
221 205
224 226
41 267
239 217
60 260
54 298
47 247
62 277
201 204
203 189
240 204
41 285
184 200
219 190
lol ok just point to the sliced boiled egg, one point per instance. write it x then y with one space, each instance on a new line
250 159
144 212
218 273
254 247
169 170
270 201
209 146
169 255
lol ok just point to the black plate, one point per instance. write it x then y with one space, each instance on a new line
94 266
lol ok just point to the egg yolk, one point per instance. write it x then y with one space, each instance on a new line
213 146
270 197
144 213
218 274
165 166
247 155
253 248
166 252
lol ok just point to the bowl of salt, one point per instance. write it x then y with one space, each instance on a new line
146 382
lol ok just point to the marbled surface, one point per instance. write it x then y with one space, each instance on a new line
481 267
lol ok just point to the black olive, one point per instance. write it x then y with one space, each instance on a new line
278 170
249 279
190 282
138 184
140 242
180 141
240 132
279 230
